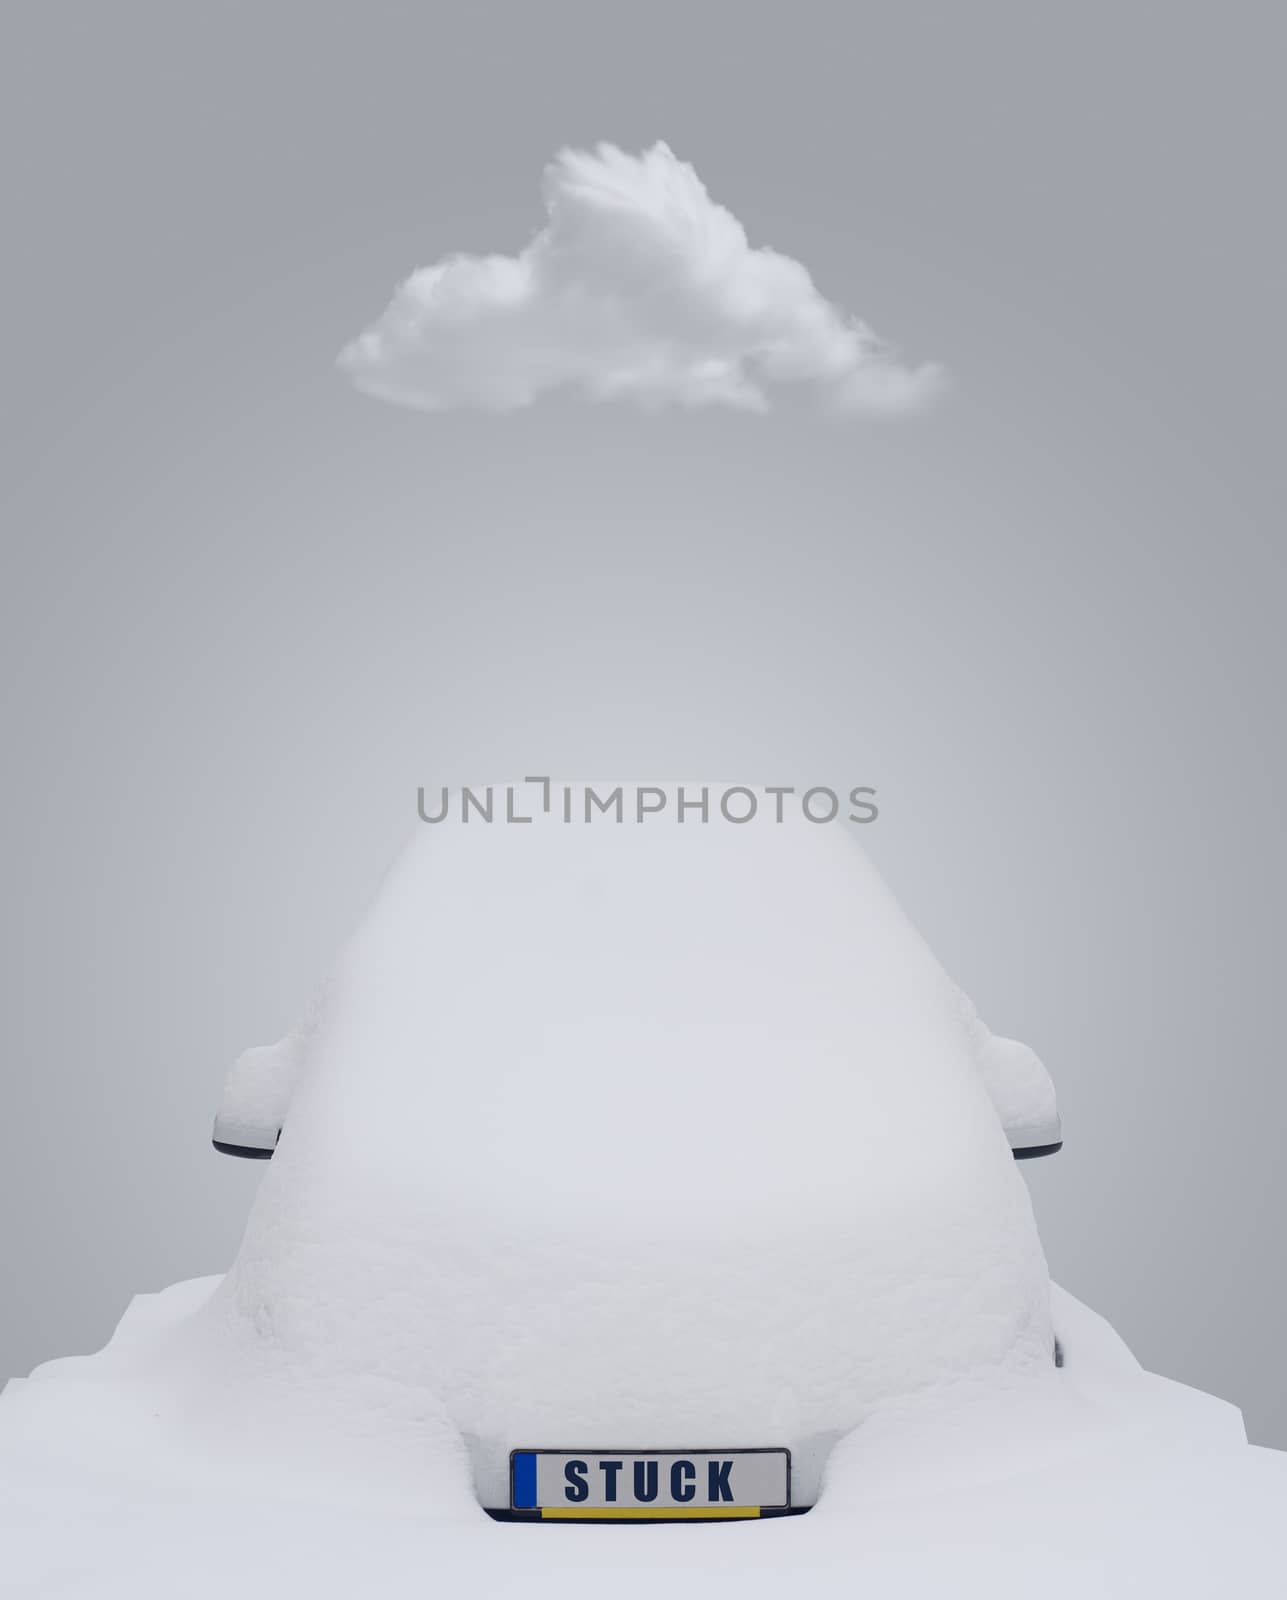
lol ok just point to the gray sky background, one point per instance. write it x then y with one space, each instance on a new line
245 611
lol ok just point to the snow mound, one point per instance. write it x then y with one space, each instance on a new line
641 1132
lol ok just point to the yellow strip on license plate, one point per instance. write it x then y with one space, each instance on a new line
642 1514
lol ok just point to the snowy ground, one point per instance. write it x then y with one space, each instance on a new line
1099 1480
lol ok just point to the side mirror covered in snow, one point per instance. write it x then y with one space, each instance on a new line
255 1098
1023 1094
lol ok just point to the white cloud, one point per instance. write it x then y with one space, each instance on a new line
638 287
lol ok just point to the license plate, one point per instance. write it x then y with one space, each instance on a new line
669 1484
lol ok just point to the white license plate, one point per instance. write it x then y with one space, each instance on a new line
653 1483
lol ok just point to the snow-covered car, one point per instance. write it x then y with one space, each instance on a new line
672 1147
657 1154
